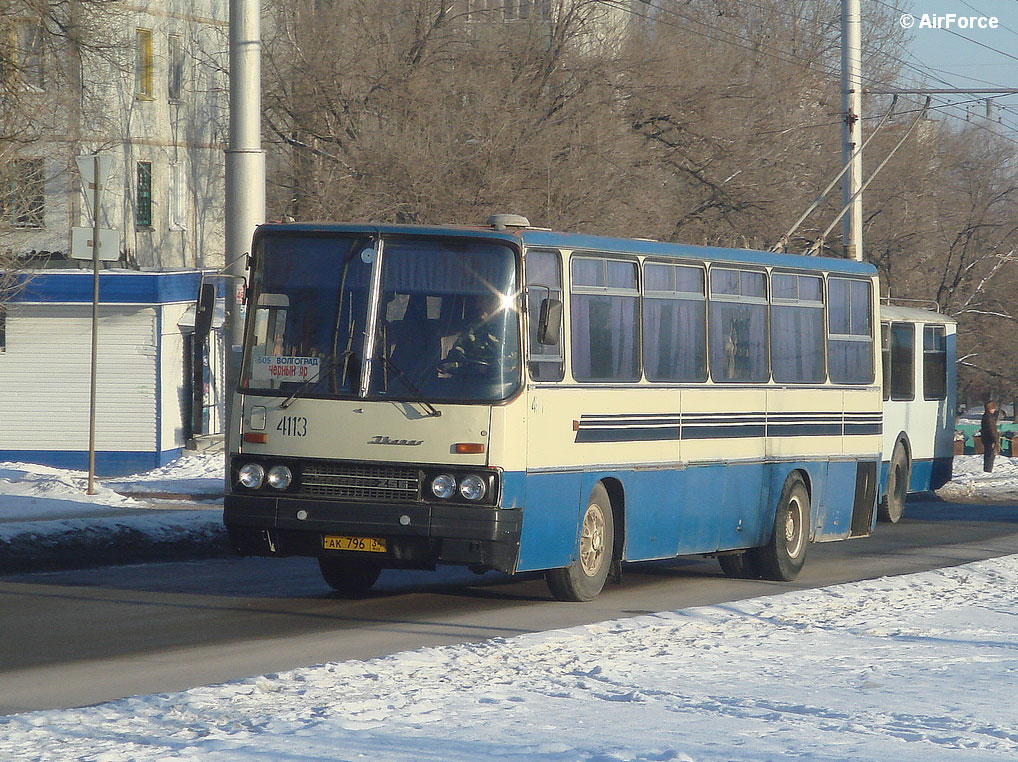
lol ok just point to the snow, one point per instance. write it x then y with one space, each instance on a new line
918 667
970 484
51 506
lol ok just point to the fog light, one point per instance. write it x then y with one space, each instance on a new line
443 486
251 475
280 477
472 487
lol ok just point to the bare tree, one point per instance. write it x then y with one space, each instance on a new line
703 121
434 113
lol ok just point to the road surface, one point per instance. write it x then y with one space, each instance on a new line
76 638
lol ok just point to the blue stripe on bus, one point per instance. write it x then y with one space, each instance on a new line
722 432
804 429
857 429
628 434
695 426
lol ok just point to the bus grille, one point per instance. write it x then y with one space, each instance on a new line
360 481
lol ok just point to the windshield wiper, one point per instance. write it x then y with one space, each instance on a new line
313 382
428 407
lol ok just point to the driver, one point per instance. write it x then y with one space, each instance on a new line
477 348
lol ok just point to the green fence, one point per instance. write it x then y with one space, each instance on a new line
971 432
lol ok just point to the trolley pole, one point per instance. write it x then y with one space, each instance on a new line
851 130
245 182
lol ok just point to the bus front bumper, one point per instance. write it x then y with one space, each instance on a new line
416 535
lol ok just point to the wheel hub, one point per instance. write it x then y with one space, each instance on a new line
592 540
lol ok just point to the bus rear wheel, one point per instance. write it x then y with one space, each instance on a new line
782 558
892 507
584 578
351 577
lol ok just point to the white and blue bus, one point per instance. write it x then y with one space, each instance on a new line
505 397
919 382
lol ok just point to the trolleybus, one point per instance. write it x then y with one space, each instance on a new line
919 403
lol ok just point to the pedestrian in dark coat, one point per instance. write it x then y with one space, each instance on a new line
989 435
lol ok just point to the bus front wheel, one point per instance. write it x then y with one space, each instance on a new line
892 507
583 579
350 577
783 557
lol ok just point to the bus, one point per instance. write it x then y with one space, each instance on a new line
919 400
510 398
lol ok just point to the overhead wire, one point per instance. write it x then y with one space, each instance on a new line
767 50
925 69
746 43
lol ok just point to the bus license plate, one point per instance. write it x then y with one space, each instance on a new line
365 544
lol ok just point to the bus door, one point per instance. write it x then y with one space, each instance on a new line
552 475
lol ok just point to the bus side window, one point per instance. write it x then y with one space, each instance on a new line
604 307
737 326
797 329
934 363
902 361
674 322
849 331
544 281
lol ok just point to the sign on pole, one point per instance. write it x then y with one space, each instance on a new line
81 244
86 168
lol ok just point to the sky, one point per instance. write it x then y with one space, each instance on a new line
910 668
965 57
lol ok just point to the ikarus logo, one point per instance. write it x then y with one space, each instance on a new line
380 440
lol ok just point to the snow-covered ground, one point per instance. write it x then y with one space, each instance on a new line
42 506
919 667
970 484
30 491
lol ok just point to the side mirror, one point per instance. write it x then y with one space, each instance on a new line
549 322
204 309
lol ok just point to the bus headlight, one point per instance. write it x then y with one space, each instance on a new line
251 475
443 486
280 477
472 487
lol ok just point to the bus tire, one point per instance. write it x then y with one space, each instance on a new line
351 577
583 579
892 506
740 565
782 558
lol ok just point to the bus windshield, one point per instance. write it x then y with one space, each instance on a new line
445 318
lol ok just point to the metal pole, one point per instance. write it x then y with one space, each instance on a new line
95 323
851 131
245 180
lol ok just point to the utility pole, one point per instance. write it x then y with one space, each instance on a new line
245 180
851 129
97 187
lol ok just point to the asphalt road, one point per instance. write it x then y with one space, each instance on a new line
81 637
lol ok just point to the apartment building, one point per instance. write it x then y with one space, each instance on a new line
151 92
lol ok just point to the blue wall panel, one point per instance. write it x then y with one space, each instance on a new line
677 512
919 479
106 463
742 525
839 498
550 520
115 287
